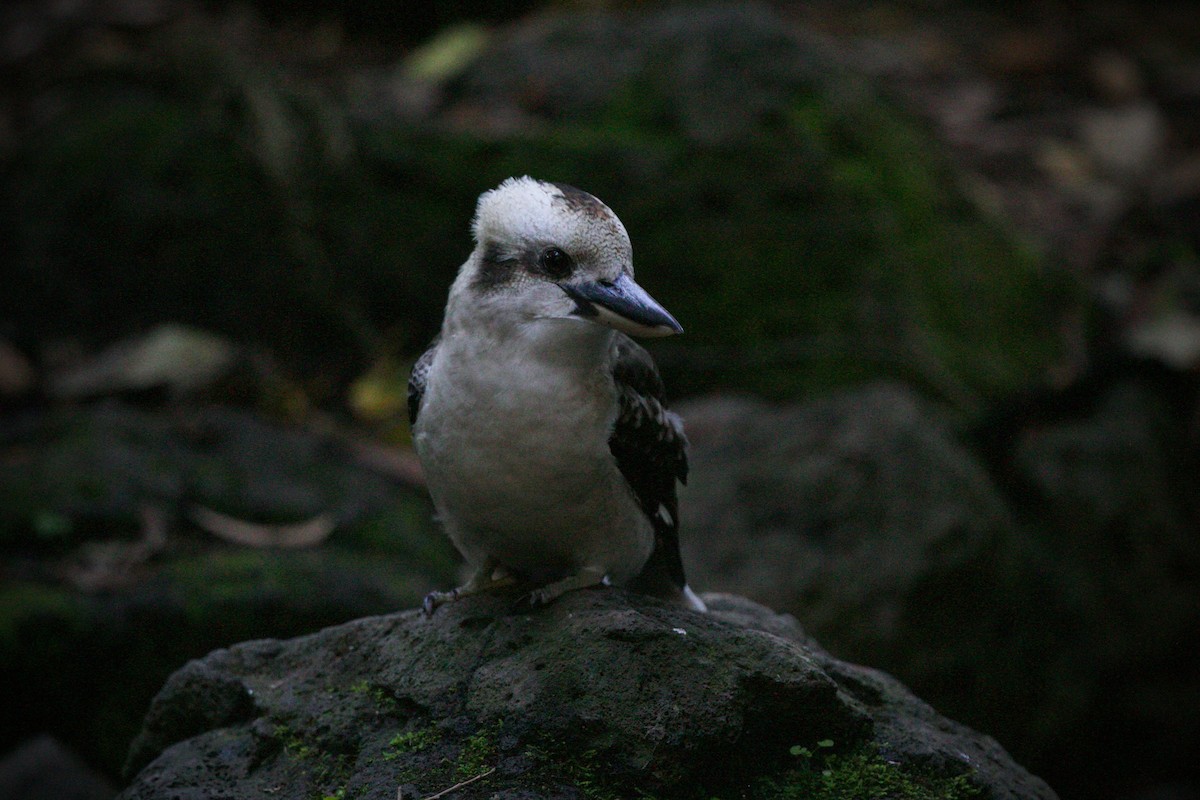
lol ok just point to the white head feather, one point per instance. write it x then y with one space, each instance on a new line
546 251
524 213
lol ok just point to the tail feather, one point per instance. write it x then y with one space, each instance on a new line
658 579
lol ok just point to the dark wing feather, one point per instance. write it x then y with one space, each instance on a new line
651 452
416 382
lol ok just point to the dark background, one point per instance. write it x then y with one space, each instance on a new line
937 263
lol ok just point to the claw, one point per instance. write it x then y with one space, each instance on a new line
488 577
434 599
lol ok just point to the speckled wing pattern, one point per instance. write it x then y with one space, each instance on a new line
416 382
651 452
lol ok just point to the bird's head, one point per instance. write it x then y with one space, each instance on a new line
549 251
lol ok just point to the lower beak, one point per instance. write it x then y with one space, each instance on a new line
623 305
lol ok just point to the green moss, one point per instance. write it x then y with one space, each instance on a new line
861 774
816 774
478 752
431 756
413 741
28 607
405 534
385 702
283 583
328 771
835 251
292 743
581 770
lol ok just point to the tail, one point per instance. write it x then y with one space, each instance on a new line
664 580
692 599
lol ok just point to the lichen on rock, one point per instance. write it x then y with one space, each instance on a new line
603 694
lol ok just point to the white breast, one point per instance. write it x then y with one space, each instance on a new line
513 434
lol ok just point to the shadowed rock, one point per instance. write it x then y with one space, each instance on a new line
601 694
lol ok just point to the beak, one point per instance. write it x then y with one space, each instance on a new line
623 305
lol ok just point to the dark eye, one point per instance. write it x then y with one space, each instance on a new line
555 263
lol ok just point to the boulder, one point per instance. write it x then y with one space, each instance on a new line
1112 487
869 516
601 694
108 582
845 509
865 516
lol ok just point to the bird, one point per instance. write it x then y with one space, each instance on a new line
541 426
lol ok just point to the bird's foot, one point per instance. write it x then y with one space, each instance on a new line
488 577
435 599
584 579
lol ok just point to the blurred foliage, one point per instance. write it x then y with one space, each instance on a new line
399 22
114 650
85 473
179 187
827 246
95 601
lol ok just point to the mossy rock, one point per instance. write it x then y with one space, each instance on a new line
89 663
601 695
91 471
805 231
177 186
91 622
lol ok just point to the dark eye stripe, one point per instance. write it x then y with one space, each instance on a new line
495 269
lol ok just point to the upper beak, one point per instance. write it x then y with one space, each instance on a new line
623 305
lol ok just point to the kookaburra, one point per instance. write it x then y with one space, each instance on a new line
541 426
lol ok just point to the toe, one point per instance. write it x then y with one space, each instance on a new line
430 603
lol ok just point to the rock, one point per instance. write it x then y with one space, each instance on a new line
1115 77
602 694
1114 487
1173 338
103 463
42 769
575 65
862 514
107 586
846 510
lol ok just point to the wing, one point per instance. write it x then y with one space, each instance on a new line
416 382
651 452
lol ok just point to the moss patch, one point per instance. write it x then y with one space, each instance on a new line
583 771
413 741
326 770
478 753
863 773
